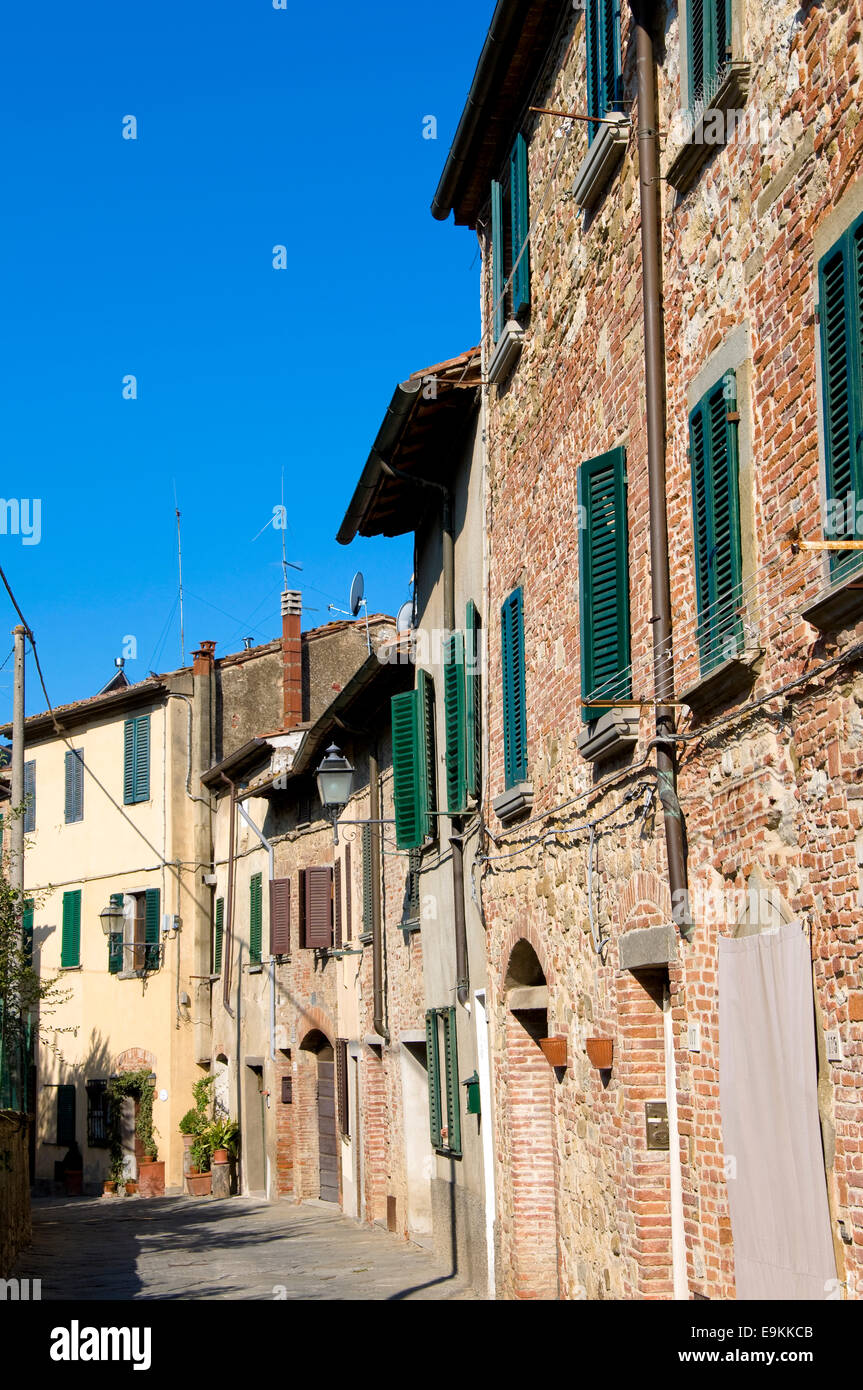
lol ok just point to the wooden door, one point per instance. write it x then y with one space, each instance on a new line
328 1154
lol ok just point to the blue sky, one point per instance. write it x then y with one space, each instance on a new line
154 257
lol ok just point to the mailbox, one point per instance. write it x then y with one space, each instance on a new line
656 1124
472 1089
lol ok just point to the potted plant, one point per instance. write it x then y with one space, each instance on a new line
199 1178
131 1187
109 1188
224 1136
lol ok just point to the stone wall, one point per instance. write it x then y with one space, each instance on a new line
14 1189
769 791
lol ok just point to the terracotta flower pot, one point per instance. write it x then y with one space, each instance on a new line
199 1184
109 1187
220 1156
555 1051
600 1052
131 1187
151 1178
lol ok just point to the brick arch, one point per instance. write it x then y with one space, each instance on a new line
644 902
524 931
314 1019
135 1059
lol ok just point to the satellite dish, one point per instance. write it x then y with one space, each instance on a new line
357 592
405 617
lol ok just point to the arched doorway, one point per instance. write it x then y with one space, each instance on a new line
533 1257
325 1098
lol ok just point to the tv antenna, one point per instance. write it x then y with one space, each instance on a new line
355 603
180 565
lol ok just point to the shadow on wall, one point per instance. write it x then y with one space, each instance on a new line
71 1125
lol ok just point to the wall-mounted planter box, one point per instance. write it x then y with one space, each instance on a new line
603 156
506 352
600 1051
199 1184
555 1051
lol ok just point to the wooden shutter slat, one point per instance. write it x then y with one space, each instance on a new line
498 274
514 706
70 950
604 581
433 1063
280 916
319 907
218 935
255 916
151 928
455 735
129 762
716 523
142 757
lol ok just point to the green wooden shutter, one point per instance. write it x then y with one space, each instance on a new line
129 762
453 1115
367 879
520 212
455 730
413 763
27 931
151 929
514 700
716 522
218 935
603 573
840 277
115 941
602 41
433 1061
594 77
255 922
610 54
30 797
70 948
74 785
66 1115
498 268
473 698
142 757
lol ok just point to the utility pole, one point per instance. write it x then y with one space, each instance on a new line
16 875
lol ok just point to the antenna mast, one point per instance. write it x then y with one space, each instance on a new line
180 564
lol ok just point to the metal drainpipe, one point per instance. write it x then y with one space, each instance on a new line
654 367
229 915
462 971
377 933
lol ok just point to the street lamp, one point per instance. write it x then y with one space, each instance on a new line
335 778
111 917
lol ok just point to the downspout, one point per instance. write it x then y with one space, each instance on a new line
377 932
229 914
456 839
654 371
271 960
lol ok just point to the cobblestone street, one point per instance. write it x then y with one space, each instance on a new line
180 1248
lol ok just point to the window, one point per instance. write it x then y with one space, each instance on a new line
708 44
74 785
603 60
136 759
70 947
255 918
510 225
367 880
66 1115
136 950
280 917
412 889
514 708
316 904
218 934
29 797
840 309
716 522
442 1053
413 764
604 582
98 1127
27 931
342 1107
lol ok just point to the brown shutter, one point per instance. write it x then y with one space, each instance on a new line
319 907
280 916
337 901
342 1086
348 889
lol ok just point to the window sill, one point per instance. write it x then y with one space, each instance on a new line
72 967
514 802
724 683
840 605
365 938
601 160
506 352
256 969
133 974
613 732
702 142
410 925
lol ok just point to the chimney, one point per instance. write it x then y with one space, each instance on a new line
203 659
292 657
